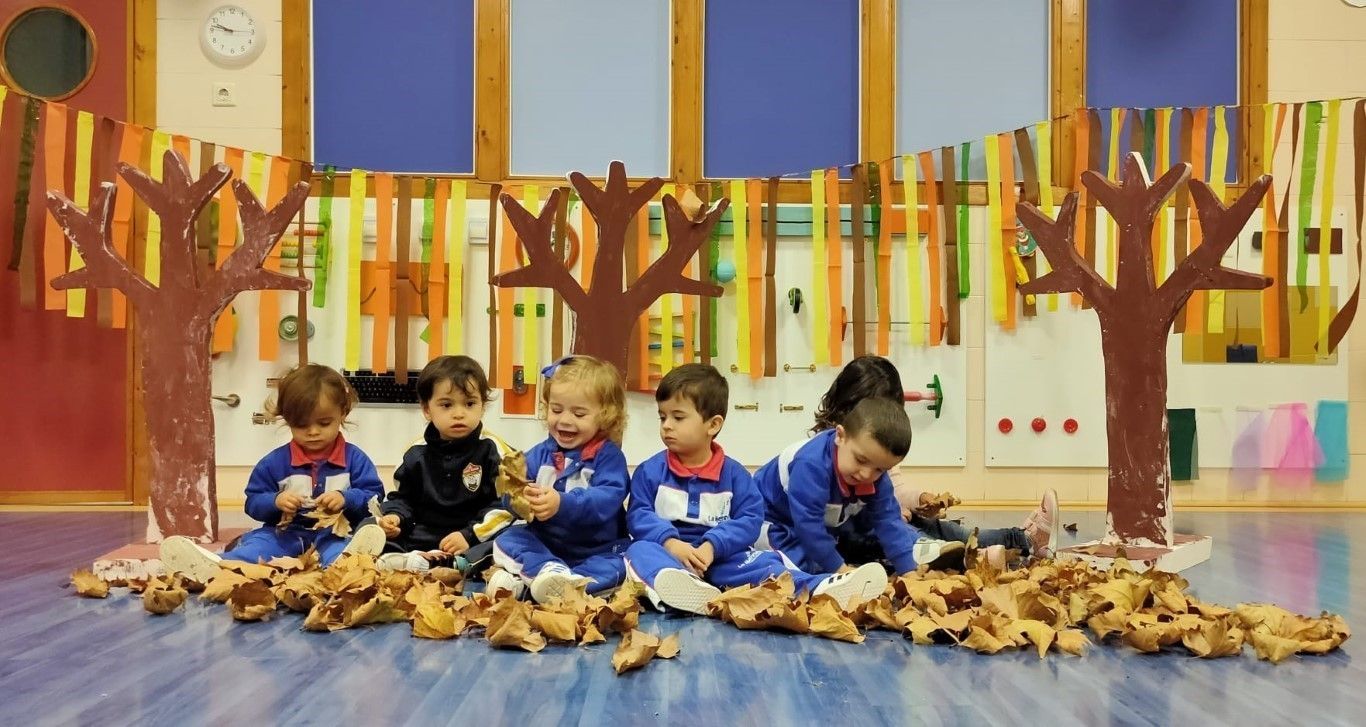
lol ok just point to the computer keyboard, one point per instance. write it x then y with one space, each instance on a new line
373 388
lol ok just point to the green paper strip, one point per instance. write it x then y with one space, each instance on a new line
323 248
717 191
428 224
961 209
1150 142
875 219
1313 118
24 179
1184 451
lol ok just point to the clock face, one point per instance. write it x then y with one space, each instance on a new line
231 36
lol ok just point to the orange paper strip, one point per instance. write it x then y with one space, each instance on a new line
54 177
436 272
269 316
384 240
1195 305
884 260
835 265
931 227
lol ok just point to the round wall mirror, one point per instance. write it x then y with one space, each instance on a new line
47 52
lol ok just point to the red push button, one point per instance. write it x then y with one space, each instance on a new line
1005 425
1070 426
1039 424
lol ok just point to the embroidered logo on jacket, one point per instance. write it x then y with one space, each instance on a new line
472 476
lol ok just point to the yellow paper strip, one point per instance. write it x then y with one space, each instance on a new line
1218 168
531 329
161 141
1111 230
1043 134
354 237
820 293
455 259
85 134
256 174
739 250
1162 148
1330 163
995 249
666 302
914 271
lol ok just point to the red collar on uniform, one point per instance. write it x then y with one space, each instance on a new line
857 490
710 471
337 456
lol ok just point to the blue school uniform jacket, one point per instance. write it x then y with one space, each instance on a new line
718 503
592 485
804 501
345 468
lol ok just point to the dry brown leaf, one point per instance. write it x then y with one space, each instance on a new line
1114 621
591 635
877 613
1030 631
163 595
1122 594
509 625
89 585
337 521
432 620
250 571
1072 641
922 630
636 649
1151 639
300 592
450 577
954 624
556 626
1272 648
938 505
220 586
381 609
669 647
828 620
252 601
511 483
1213 639
979 640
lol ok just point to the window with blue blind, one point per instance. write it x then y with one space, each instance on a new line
393 85
968 68
780 87
1162 53
589 83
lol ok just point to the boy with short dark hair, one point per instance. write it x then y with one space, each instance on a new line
818 484
695 513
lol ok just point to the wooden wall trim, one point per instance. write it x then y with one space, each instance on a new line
1254 41
491 120
686 63
877 86
142 109
296 123
63 497
1067 20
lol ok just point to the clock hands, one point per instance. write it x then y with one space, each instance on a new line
220 26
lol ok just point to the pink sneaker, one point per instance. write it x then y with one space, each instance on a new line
1042 526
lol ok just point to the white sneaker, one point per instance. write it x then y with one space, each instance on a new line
369 539
179 554
412 562
684 591
552 583
864 583
939 554
501 580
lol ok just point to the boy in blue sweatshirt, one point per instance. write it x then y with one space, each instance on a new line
816 485
695 513
577 533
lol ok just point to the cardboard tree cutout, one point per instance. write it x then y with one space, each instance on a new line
174 320
605 313
1135 317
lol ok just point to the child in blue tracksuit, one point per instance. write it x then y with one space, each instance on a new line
816 485
695 513
317 469
577 533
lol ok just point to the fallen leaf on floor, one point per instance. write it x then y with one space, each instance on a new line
164 595
252 601
637 648
89 585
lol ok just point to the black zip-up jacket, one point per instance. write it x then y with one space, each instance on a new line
444 486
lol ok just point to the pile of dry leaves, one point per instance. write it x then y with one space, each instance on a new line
1046 606
353 592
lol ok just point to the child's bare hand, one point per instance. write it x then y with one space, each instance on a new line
705 554
331 501
681 551
390 525
288 502
454 544
544 501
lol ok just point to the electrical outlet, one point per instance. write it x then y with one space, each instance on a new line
224 94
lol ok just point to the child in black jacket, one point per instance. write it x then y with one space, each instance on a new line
445 506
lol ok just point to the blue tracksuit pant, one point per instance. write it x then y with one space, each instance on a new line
268 542
519 552
748 567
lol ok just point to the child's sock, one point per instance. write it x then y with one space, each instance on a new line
684 591
864 583
179 554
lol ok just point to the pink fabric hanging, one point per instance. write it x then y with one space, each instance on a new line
1246 458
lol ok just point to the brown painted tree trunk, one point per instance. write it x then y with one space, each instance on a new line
1139 492
176 396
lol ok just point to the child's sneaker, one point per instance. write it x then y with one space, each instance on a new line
179 554
1042 526
864 583
939 554
369 539
552 583
994 555
501 580
412 562
684 591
